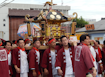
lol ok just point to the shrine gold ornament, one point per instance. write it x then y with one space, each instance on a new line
50 21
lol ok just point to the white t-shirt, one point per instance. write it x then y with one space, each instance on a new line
96 51
24 62
94 55
69 68
53 59
9 58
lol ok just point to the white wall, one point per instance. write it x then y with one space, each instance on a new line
98 35
36 6
63 9
4 29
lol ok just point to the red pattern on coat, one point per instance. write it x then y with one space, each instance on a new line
4 69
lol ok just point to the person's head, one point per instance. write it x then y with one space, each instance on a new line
97 41
36 43
27 41
64 41
20 43
30 41
104 42
8 45
85 38
13 42
52 42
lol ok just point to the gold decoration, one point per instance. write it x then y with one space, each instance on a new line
54 13
29 29
28 19
75 16
58 17
52 16
49 3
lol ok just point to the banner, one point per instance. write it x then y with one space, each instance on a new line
35 30
22 30
73 38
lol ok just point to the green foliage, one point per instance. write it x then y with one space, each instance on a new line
81 22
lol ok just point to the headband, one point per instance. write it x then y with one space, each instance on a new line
26 40
15 42
51 41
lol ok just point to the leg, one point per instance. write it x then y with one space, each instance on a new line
56 76
73 75
21 75
96 75
100 75
104 73
69 76
24 75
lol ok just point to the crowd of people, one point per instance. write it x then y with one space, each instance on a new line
66 59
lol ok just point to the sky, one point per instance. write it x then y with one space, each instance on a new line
88 9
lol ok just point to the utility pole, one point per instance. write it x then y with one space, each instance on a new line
62 2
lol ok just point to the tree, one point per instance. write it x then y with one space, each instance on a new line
81 22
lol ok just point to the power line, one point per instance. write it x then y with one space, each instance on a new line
4 4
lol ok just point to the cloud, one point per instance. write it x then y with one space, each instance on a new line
88 8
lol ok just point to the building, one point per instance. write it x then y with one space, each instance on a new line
4 23
12 15
98 33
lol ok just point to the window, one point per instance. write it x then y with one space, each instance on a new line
3 24
31 8
4 20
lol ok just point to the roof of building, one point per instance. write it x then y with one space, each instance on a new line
20 12
51 15
100 25
33 6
